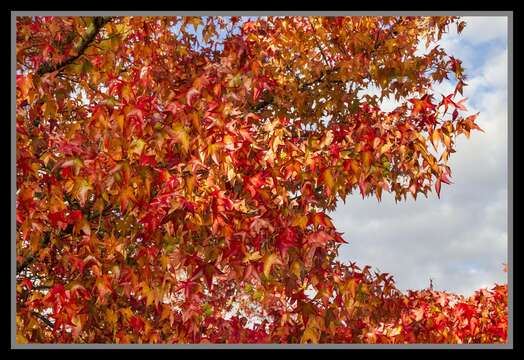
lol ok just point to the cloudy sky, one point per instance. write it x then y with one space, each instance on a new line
459 240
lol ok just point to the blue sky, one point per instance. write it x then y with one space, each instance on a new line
459 240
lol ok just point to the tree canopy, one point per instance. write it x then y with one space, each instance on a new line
175 176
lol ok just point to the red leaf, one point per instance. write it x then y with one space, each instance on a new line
28 284
137 323
75 216
147 160
286 240
191 94
437 187
459 105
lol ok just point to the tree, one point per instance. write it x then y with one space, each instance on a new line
175 176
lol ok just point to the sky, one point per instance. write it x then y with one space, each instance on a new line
460 241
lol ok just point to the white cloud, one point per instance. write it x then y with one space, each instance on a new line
496 71
492 78
481 29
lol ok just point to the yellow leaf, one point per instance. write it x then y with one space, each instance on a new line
352 285
429 158
213 151
150 297
277 140
312 332
137 147
229 142
122 28
50 109
80 191
111 316
190 183
366 159
182 136
300 221
431 162
126 93
269 261
447 140
435 137
196 122
328 139
35 241
328 178
252 37
166 312
164 260
252 257
126 312
384 148
296 268
21 339
396 331
230 173
119 119
310 336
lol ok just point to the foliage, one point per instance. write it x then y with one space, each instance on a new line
175 175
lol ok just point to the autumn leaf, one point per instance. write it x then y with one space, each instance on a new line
300 221
329 180
269 261
312 332
182 136
81 189
252 257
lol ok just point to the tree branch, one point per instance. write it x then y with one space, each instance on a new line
98 22
44 319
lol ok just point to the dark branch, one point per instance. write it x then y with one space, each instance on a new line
98 22
44 319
